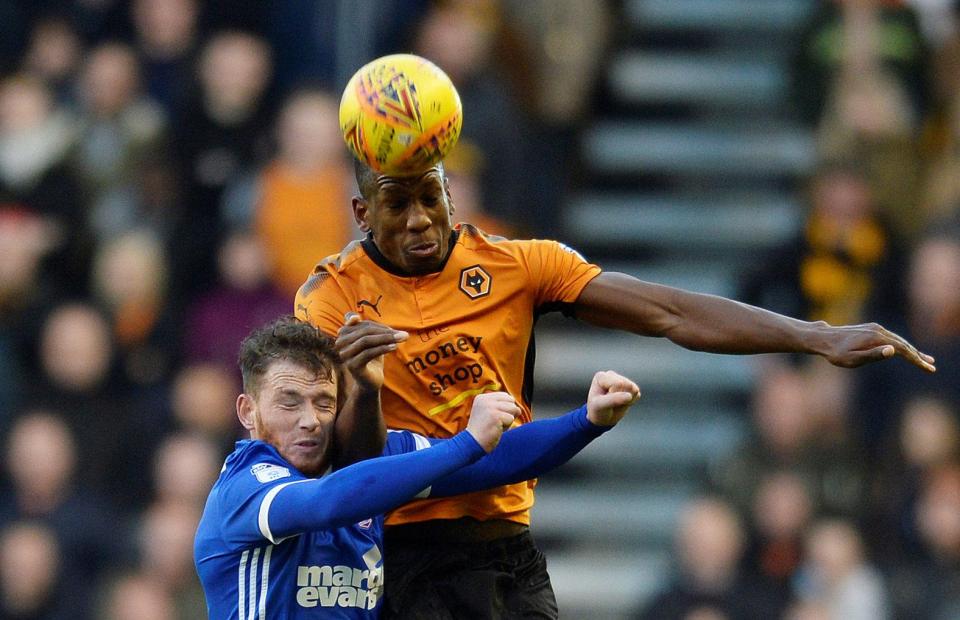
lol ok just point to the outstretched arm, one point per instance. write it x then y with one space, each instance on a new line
362 490
371 487
535 448
719 325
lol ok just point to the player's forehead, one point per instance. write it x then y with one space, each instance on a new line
430 179
289 377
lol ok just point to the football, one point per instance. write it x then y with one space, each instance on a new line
400 114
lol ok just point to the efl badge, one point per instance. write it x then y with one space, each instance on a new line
268 472
475 282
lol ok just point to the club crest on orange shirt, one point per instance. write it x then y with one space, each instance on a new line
475 281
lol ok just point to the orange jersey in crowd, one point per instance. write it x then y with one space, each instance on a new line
470 329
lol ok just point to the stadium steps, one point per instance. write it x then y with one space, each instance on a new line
690 176
770 16
569 361
744 222
604 586
669 442
608 515
698 149
654 78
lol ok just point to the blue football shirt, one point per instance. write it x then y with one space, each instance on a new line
249 573
317 551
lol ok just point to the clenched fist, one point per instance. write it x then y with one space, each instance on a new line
492 414
610 396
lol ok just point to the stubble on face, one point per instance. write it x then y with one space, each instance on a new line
295 413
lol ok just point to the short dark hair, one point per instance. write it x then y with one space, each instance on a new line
366 179
287 338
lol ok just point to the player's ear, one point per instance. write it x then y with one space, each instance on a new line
361 210
246 411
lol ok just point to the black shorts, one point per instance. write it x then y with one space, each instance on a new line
447 580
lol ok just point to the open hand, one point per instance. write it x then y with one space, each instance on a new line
492 413
362 345
610 396
850 346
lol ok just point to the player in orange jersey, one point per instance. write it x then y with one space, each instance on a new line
468 302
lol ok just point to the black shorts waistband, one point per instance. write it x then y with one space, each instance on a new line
455 531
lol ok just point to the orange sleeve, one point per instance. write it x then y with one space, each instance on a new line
558 272
322 302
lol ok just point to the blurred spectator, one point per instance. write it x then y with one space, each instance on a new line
301 211
185 468
933 324
861 40
149 202
135 596
53 54
709 544
30 578
801 427
76 377
458 37
929 439
166 547
844 260
204 397
862 78
941 23
217 322
462 167
561 45
552 51
120 127
936 19
782 509
41 463
220 136
838 577
166 38
35 138
941 192
807 610
933 588
25 238
130 280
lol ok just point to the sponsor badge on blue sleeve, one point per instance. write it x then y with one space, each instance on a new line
268 472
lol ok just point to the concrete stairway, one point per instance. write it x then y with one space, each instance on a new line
692 174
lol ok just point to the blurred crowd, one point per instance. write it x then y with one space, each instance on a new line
171 170
844 502
170 173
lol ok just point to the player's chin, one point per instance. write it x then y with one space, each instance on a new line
417 264
309 461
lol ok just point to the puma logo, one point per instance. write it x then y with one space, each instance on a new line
373 305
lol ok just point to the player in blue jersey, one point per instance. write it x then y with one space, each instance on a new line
282 537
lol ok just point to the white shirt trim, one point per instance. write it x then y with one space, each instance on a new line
263 518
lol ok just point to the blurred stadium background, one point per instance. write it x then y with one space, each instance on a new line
170 170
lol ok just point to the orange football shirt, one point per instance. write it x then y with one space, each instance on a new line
471 331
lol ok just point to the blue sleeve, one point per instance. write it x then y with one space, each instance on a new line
362 490
524 453
250 476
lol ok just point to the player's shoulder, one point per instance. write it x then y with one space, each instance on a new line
259 460
332 265
474 239
343 260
